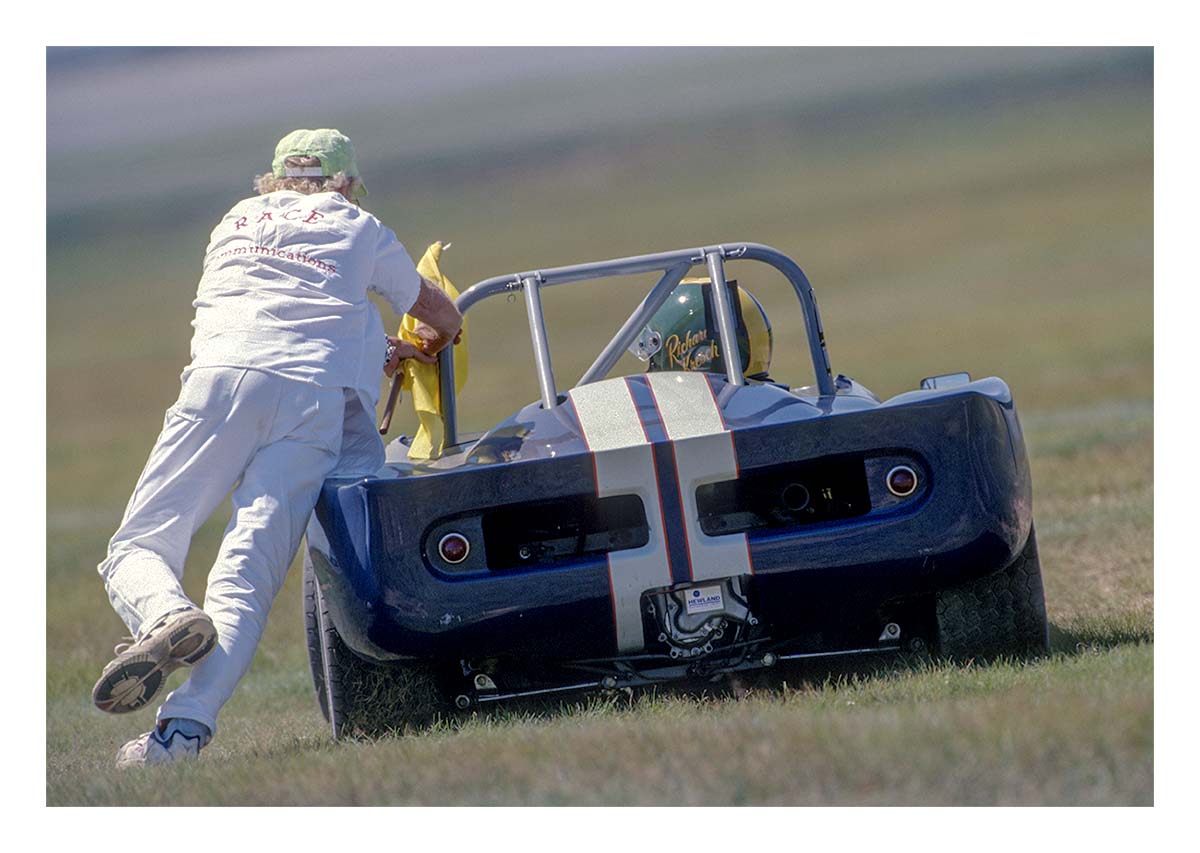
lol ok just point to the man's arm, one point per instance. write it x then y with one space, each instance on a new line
439 320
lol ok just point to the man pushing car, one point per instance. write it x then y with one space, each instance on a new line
279 395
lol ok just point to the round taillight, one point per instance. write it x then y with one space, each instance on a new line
902 481
454 548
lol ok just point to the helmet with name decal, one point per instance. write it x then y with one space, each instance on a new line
683 334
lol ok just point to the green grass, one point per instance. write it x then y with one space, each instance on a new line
1013 239
922 735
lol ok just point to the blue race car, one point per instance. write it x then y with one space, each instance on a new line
688 523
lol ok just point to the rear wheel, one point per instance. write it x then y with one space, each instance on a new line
1002 614
360 697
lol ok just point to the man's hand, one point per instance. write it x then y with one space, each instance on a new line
438 321
433 341
402 349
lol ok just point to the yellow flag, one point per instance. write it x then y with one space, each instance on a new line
421 380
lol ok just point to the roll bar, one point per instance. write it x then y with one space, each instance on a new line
673 266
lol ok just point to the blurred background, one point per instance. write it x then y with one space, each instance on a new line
980 209
913 185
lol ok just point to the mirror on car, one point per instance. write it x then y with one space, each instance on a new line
946 380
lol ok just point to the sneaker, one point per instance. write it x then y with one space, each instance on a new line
168 742
140 669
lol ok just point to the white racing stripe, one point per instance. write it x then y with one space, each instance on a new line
608 415
625 466
704 453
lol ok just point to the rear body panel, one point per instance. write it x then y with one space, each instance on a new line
691 449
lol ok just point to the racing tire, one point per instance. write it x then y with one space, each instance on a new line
358 697
1000 615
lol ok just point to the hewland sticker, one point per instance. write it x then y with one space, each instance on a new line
702 599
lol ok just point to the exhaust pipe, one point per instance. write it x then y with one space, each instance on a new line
794 497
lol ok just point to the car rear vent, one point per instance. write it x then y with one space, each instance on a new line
785 496
574 526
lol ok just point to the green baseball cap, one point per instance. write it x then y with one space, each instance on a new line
332 147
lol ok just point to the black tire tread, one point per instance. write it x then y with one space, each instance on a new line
365 699
312 637
1000 615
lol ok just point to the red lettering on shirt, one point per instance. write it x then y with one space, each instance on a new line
288 216
240 223
329 267
314 216
266 215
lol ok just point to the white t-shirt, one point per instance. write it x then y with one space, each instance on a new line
285 287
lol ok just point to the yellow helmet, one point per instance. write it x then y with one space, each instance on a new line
683 334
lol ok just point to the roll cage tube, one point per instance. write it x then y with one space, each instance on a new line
674 266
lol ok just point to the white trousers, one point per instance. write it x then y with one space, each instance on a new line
273 442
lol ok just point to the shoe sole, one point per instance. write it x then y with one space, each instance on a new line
135 677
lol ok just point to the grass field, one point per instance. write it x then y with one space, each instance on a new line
1009 235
